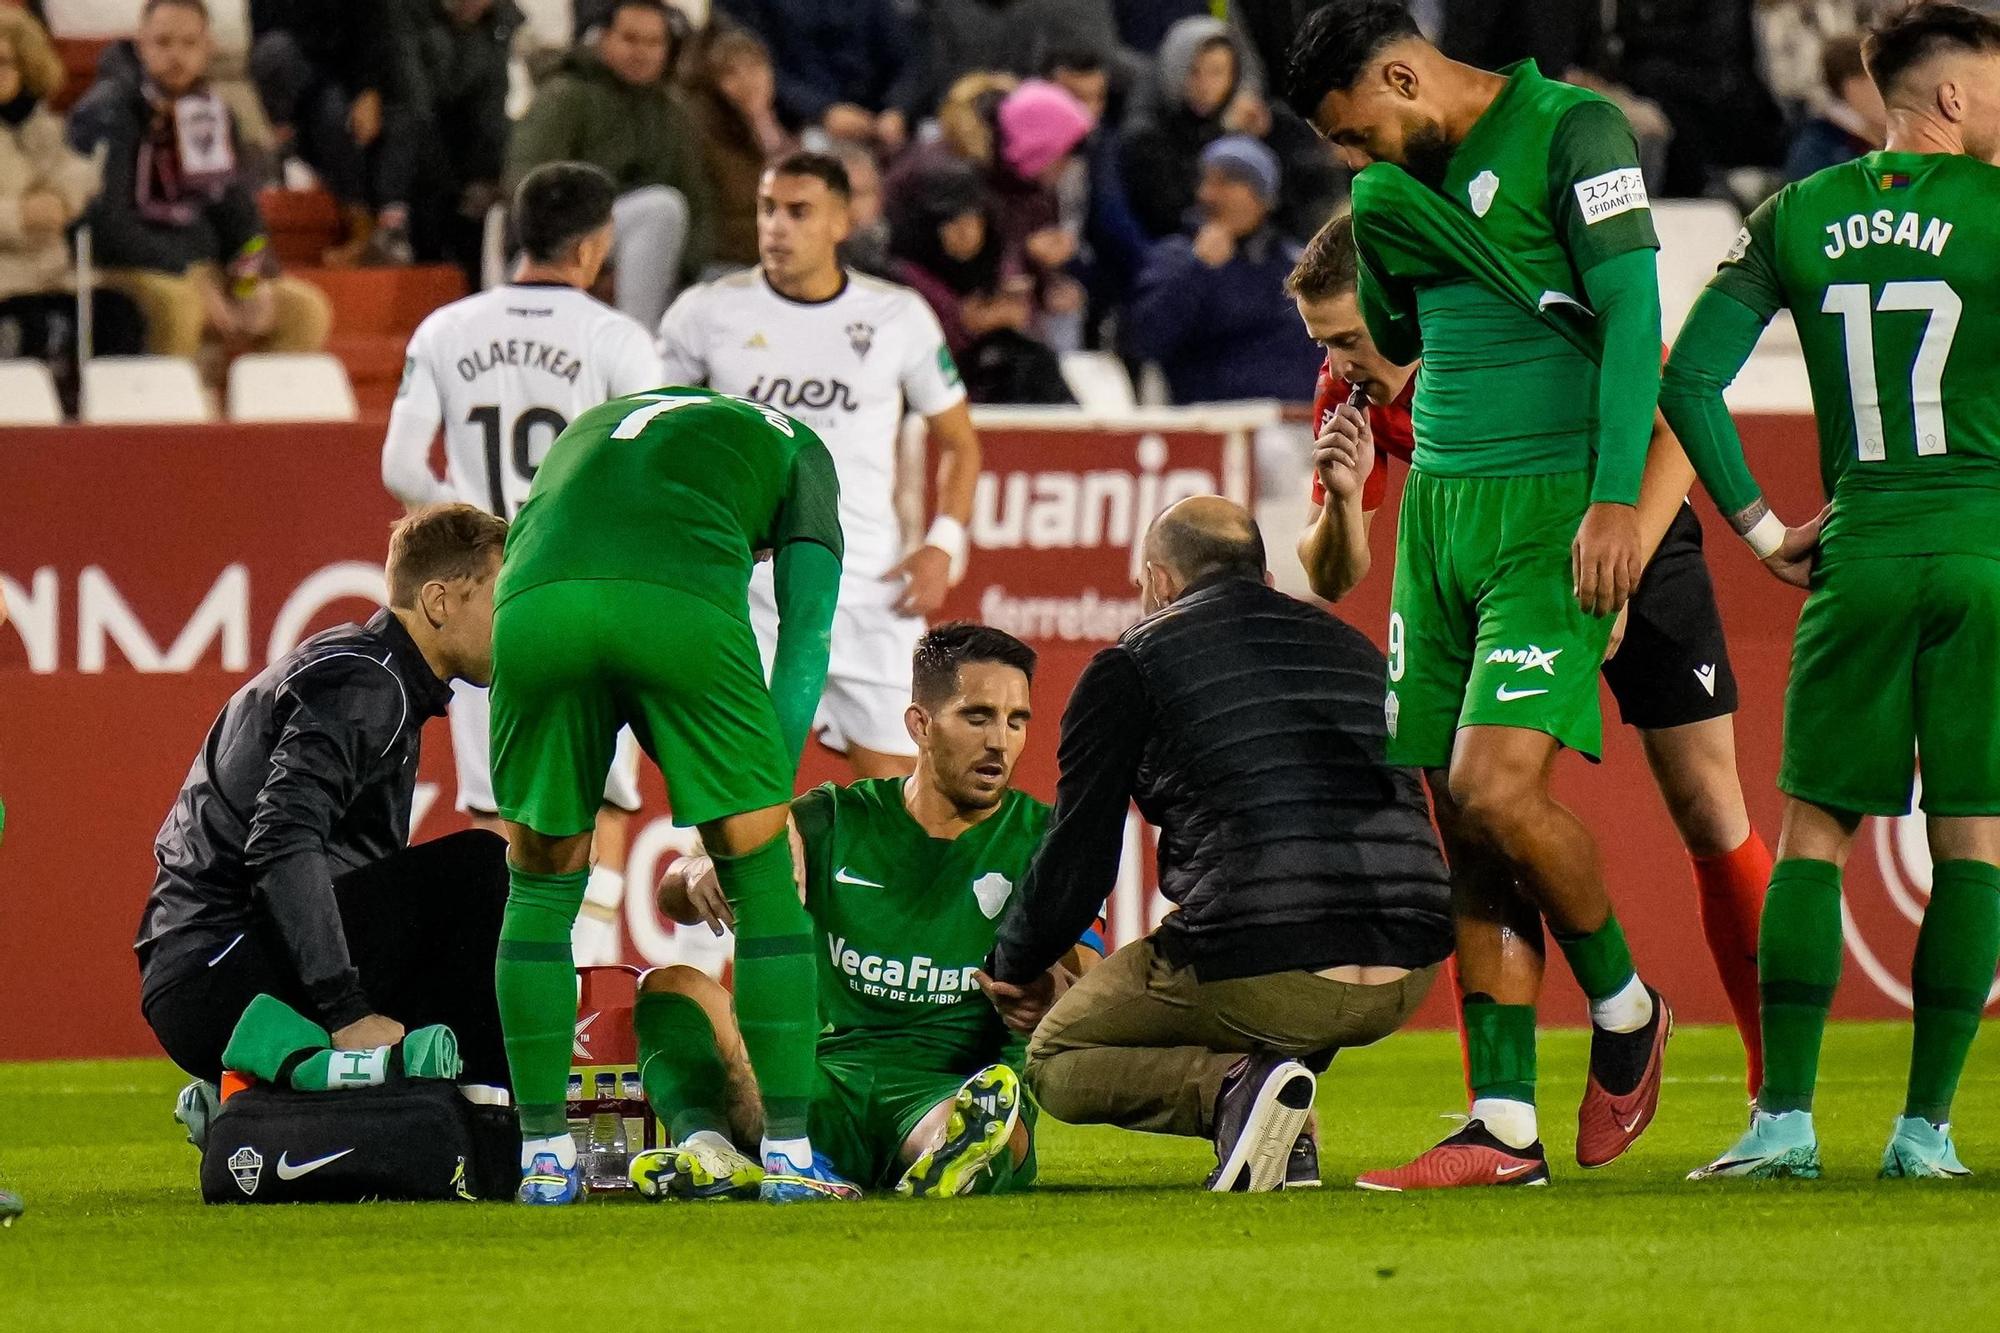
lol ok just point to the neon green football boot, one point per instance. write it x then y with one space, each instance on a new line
1919 1150
1777 1147
981 1127
11 1207
705 1166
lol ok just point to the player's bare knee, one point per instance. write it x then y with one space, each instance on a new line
680 979
734 835
1964 839
1493 799
541 854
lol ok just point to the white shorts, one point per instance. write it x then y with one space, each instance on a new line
471 753
868 674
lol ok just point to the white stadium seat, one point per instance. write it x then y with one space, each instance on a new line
28 395
134 390
1099 381
92 18
1694 236
290 386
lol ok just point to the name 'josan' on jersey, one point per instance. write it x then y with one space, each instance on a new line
1888 263
845 367
503 372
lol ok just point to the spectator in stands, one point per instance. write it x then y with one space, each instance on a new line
1019 36
946 240
1698 60
866 249
1849 122
1791 47
1199 94
1022 139
612 107
849 69
1092 196
1143 25
736 102
455 76
1211 309
44 187
176 225
328 73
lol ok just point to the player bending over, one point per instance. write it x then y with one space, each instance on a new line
848 355
919 1082
1504 238
1888 265
502 372
622 602
1670 673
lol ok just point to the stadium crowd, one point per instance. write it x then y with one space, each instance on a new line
1050 174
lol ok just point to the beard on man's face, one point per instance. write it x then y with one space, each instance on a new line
1427 153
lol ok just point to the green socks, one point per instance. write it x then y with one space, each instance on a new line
679 1065
777 998
1798 966
534 978
1957 950
1599 961
1500 1049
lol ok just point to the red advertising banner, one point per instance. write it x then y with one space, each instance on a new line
150 571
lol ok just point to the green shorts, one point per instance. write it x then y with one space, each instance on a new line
862 1111
1484 628
576 660
1896 657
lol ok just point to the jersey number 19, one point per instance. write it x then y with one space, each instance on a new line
487 418
1852 302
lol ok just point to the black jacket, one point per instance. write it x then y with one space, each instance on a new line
114 115
307 774
1249 727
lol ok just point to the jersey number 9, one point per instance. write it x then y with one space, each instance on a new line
487 418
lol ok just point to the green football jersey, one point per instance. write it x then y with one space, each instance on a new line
1890 265
904 920
680 487
1550 176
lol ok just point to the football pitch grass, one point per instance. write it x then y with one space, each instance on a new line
1118 1237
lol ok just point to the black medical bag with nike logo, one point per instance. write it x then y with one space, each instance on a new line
409 1139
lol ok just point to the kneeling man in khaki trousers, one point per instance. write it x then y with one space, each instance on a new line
1311 902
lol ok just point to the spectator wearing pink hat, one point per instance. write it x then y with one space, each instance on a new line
1038 130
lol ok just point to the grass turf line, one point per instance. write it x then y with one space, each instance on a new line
1119 1236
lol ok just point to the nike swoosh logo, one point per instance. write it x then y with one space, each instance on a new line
1634 1125
287 1171
1514 1170
844 876
1504 695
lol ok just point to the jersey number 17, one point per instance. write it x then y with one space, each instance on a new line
1853 302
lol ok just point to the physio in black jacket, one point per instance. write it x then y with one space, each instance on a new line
1312 907
284 865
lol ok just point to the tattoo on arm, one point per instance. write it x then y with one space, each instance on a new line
1749 516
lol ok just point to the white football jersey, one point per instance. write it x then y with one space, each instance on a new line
503 372
845 366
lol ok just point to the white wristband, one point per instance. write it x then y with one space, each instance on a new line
1766 535
948 535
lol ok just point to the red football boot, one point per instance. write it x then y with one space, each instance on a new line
1607 1123
1470 1157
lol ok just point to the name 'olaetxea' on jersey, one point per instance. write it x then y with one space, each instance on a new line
503 372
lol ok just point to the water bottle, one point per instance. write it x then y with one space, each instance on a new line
632 1106
578 1126
604 1156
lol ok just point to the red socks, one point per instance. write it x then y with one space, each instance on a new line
1729 900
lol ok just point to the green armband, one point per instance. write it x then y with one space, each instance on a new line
807 585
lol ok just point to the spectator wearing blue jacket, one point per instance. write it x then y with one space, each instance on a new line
852 69
1211 308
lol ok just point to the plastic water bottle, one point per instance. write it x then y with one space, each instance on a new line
605 1157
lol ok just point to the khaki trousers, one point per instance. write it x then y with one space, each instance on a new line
1140 1043
177 316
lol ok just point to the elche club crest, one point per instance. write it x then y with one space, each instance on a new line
991 892
1880 921
247 1165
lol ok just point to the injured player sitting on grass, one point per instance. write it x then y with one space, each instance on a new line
918 1081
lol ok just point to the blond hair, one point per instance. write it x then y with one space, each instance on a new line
42 72
441 541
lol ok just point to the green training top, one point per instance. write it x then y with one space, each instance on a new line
1891 266
1550 176
680 487
904 920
